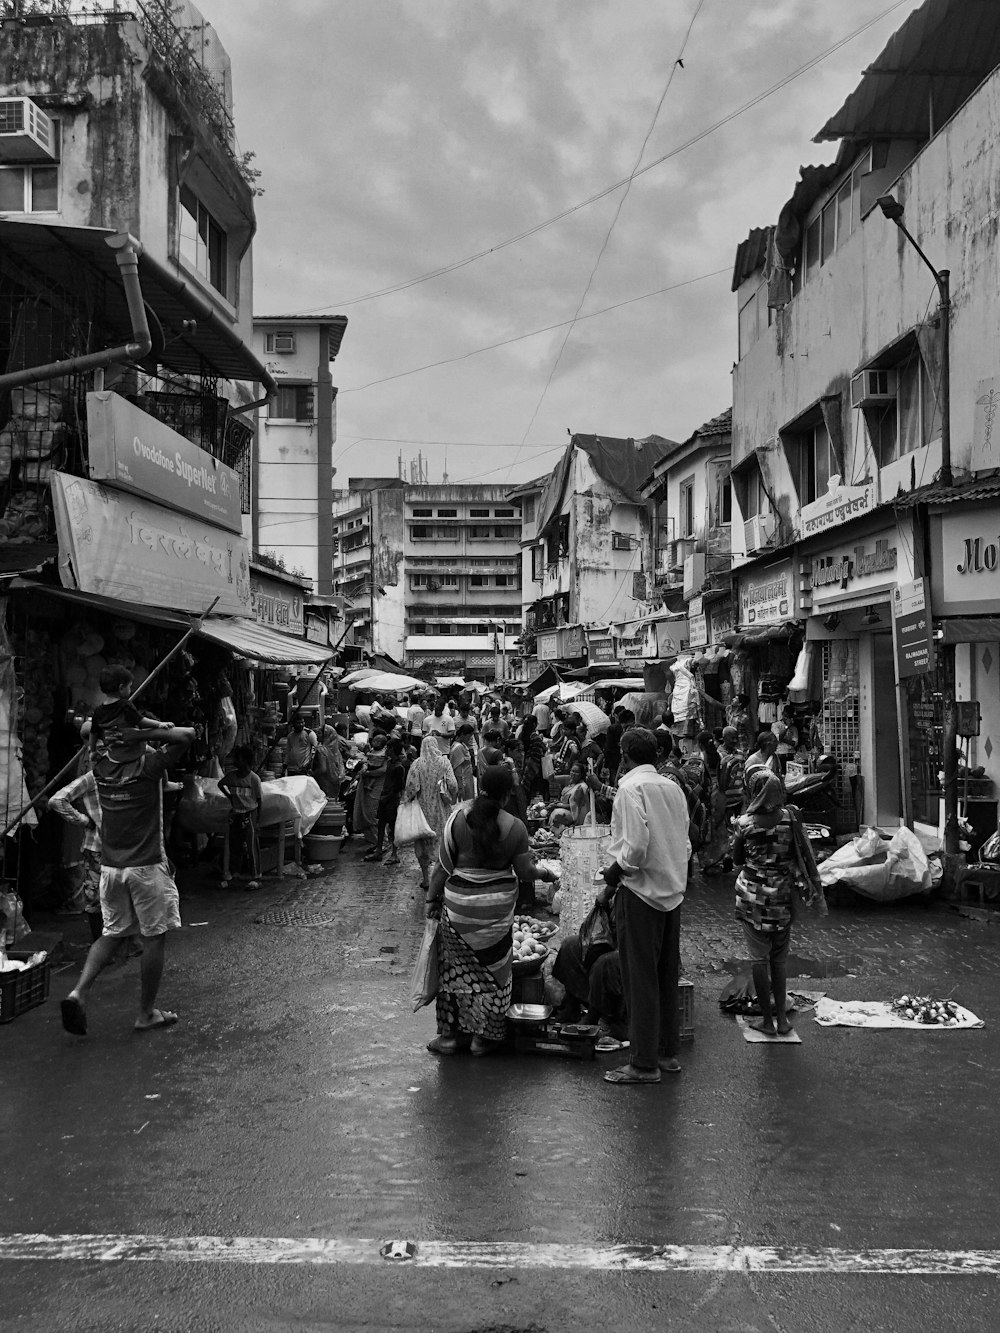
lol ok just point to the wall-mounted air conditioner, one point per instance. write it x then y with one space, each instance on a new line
280 342
694 574
873 388
26 132
758 531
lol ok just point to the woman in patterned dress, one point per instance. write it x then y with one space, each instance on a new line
776 865
473 891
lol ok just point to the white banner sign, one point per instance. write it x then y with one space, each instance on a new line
135 551
836 507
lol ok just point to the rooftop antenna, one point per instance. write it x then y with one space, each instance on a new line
444 474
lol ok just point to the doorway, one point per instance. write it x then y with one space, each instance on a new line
887 795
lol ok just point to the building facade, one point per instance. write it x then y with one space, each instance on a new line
432 573
852 522
292 511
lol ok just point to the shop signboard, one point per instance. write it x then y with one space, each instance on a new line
571 641
985 435
132 451
119 546
867 566
965 562
631 648
767 596
721 620
318 630
912 629
601 649
836 507
672 637
276 605
547 646
697 631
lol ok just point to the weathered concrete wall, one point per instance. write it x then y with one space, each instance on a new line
873 289
389 606
602 580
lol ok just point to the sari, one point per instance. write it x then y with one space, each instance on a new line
475 935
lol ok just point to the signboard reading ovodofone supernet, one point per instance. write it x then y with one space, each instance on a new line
132 451
119 546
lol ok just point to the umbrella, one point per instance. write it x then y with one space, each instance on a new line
385 682
564 689
595 718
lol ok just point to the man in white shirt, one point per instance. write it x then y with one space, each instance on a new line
543 717
649 844
441 725
415 718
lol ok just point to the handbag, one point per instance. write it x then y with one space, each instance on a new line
597 934
424 987
411 824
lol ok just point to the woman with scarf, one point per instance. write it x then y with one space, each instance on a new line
431 781
531 766
370 791
777 867
473 891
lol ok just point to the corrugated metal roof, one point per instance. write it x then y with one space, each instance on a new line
929 67
750 256
969 493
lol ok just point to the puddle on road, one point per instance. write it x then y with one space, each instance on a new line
836 966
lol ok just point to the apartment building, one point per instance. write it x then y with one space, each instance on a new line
433 574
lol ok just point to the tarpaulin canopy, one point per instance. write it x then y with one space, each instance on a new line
565 689
382 682
248 639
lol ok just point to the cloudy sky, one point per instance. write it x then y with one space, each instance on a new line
398 138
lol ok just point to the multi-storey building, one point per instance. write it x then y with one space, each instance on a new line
433 573
691 489
850 519
293 462
587 533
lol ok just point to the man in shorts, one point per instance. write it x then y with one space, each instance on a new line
138 893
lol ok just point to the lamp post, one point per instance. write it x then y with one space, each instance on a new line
893 210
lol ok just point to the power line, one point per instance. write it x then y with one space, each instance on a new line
678 64
519 337
609 189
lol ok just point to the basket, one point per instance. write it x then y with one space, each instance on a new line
20 991
686 989
581 851
526 967
321 848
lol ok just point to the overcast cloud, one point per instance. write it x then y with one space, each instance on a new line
400 136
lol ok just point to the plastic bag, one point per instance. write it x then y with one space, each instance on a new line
424 986
548 767
13 927
909 869
990 850
597 934
411 824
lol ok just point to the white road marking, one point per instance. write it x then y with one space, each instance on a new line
483 1254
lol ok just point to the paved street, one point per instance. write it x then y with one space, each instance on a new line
295 1102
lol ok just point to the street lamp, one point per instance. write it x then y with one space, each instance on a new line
893 210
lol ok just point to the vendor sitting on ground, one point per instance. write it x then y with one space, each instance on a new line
573 805
593 993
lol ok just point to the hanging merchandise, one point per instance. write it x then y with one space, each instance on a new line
800 686
684 699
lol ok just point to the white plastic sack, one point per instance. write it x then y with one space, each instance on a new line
879 868
684 699
909 868
411 824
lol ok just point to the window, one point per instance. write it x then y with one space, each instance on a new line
909 420
537 563
420 533
292 402
479 533
505 581
479 513
279 341
447 513
750 490
503 513
418 627
422 513
201 241
687 508
837 219
528 509
727 502
811 459
29 189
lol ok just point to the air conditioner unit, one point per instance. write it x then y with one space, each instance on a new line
873 388
758 531
694 574
26 132
280 342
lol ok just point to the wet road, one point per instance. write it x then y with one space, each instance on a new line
295 1101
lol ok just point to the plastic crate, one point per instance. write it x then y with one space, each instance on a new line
687 1009
20 991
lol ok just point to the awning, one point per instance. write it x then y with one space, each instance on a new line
89 601
248 639
78 260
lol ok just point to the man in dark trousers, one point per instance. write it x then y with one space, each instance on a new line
138 893
650 851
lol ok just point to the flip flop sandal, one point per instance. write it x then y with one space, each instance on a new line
609 1044
163 1019
629 1074
74 1016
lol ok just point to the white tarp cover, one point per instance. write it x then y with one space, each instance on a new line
248 639
382 682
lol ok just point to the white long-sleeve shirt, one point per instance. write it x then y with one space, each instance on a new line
649 837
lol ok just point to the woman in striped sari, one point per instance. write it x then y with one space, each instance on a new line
484 852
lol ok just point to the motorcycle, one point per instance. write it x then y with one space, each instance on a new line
816 792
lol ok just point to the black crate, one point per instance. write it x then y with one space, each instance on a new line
20 991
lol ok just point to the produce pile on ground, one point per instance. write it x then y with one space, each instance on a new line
925 1009
544 841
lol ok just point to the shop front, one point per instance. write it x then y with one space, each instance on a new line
850 681
965 600
763 643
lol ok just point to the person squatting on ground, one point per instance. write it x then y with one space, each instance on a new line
650 851
473 891
776 861
243 788
138 893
